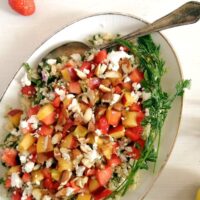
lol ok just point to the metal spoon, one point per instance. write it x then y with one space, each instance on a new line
186 14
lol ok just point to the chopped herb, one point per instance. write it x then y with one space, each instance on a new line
2 181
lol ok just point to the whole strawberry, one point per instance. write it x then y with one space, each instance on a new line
24 7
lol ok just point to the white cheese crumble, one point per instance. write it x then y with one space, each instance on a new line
86 71
24 124
69 191
28 167
76 57
115 56
74 106
65 153
27 191
98 132
23 157
51 61
16 181
25 80
33 121
146 95
15 132
46 197
116 98
136 86
80 170
60 93
49 162
127 79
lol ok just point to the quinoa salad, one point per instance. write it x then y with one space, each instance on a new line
87 123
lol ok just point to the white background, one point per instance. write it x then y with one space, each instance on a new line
20 36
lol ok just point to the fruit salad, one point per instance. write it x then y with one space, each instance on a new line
80 130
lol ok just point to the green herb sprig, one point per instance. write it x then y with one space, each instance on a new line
149 61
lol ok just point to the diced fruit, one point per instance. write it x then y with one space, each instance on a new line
8 183
46 114
132 134
64 165
107 150
94 83
48 183
100 56
69 142
130 119
9 157
104 175
56 102
26 142
135 153
128 99
117 132
136 76
140 117
103 125
113 117
135 107
28 90
90 172
141 143
46 172
33 110
14 116
42 157
67 102
93 185
69 74
55 174
114 161
83 196
80 131
90 138
127 86
26 177
14 169
37 176
45 130
74 87
103 194
44 144
16 195
76 153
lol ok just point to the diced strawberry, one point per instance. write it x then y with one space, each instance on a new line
123 48
56 102
136 76
104 175
74 87
118 90
8 183
114 161
132 134
48 183
135 153
50 119
33 110
68 125
9 157
46 173
113 117
26 177
141 142
90 172
28 90
74 186
45 130
87 66
140 117
16 195
135 107
100 56
94 83
103 125
29 198
103 194
115 147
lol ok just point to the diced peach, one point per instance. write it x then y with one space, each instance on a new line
127 86
26 142
128 99
107 150
76 153
94 185
117 80
113 117
69 142
90 138
46 114
14 116
42 157
117 132
83 196
14 169
74 87
69 74
130 119
44 144
36 176
80 131
64 165
67 102
55 174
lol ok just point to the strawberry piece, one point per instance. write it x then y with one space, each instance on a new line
26 177
114 161
9 157
102 195
23 7
104 175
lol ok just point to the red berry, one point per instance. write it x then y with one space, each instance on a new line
23 7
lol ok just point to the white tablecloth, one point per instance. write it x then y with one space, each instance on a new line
20 36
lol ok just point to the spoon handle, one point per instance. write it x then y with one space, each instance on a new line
186 14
